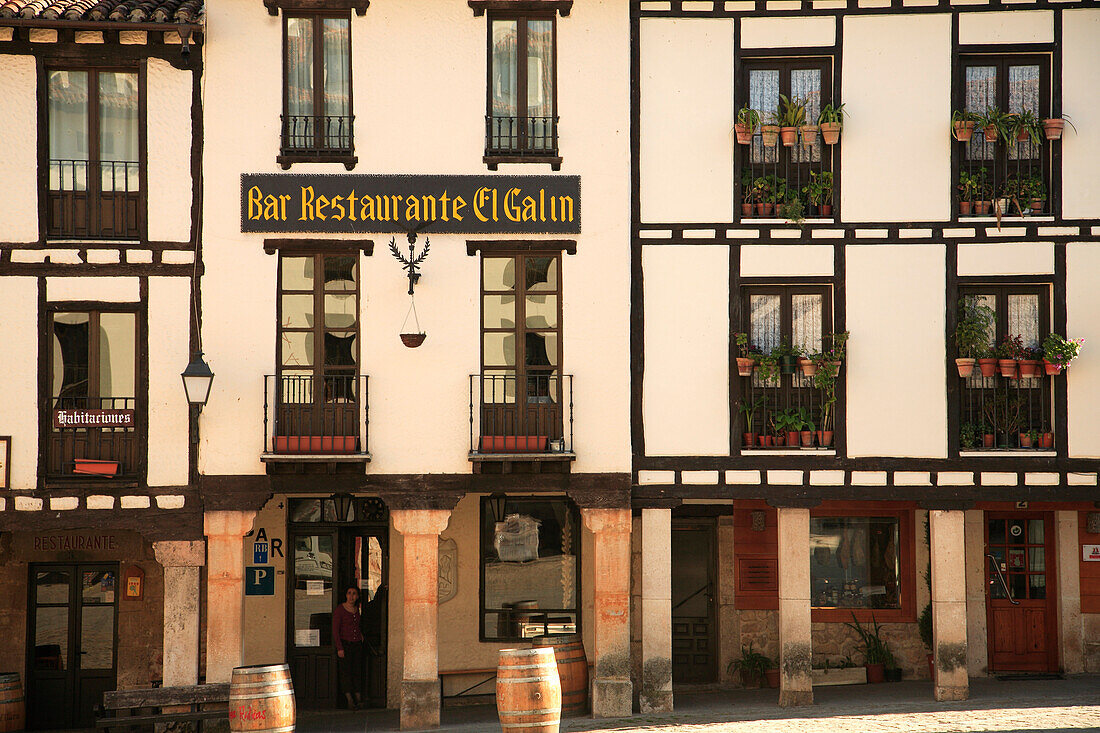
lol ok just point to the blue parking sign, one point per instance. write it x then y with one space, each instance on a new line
259 553
259 581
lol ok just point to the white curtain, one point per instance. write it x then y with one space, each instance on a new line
981 92
540 83
337 101
299 81
763 97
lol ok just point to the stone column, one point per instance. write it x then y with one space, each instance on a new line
420 697
225 591
795 642
729 618
1068 552
612 692
181 562
977 569
656 693
948 535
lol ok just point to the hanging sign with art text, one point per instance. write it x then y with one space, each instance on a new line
349 204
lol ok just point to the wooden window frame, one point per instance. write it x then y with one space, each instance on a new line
904 512
826 63
578 544
521 16
94 184
288 156
520 330
1001 164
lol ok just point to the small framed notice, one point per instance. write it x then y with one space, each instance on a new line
5 461
1090 553
315 587
307 637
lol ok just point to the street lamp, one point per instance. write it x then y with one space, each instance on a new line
197 379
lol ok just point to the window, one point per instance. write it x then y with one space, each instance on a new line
317 117
530 568
995 172
521 121
318 390
93 365
777 318
1000 412
94 160
521 392
773 173
854 562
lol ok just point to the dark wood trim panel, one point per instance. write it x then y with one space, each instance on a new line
637 287
929 497
311 246
359 6
806 8
560 6
494 247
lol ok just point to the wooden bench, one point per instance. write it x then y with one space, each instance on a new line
146 708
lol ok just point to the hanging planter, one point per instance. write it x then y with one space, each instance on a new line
789 135
965 366
831 132
412 339
769 135
988 367
809 135
809 368
1053 128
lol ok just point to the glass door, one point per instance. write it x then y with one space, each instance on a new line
312 600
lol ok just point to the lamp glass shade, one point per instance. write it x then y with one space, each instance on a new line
197 379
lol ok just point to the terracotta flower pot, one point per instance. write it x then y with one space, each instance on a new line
988 367
780 441
836 367
1046 440
1022 136
826 209
788 135
981 208
807 438
809 134
745 366
963 130
1052 128
1051 369
769 441
966 366
987 440
990 133
830 132
1025 440
765 209
1028 368
876 673
793 438
771 677
964 208
744 133
747 439
746 210
824 438
1036 206
769 134
750 680
808 367
1007 367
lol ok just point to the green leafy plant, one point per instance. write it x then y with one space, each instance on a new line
805 419
970 435
832 114
1026 122
768 367
996 119
820 188
968 186
875 650
752 663
1061 351
972 332
748 117
924 625
788 421
748 411
746 349
983 189
792 111
958 117
795 210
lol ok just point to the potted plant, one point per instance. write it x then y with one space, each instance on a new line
748 193
788 424
776 433
809 366
788 357
748 412
1012 194
806 429
968 189
752 666
820 191
768 366
771 677
972 332
1029 363
748 120
792 115
1004 415
1046 439
1007 352
962 125
1053 126
1033 191
1025 126
983 192
746 362
1058 352
761 190
1029 438
769 129
825 380
831 121
993 122
987 363
987 432
970 436
794 210
875 651
777 196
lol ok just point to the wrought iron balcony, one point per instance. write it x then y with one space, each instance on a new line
521 414
521 136
318 135
314 417
1006 413
80 204
93 438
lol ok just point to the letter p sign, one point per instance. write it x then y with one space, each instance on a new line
259 581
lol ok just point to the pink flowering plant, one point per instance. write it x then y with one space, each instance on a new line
1060 351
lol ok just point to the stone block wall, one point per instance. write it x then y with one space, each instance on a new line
832 641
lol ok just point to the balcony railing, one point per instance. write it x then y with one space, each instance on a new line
92 437
315 415
786 412
788 177
521 136
521 413
84 205
1002 178
1000 413
318 135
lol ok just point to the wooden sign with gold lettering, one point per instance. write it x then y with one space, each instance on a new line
348 204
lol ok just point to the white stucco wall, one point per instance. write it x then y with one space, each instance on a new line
19 163
1019 258
788 32
897 403
169 142
685 395
787 260
1080 147
897 77
104 289
1082 307
169 328
19 408
687 116
419 399
1016 26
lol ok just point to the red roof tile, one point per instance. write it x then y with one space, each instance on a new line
122 11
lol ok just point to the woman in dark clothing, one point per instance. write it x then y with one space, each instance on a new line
347 636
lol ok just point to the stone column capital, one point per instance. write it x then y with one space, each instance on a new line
180 553
420 521
600 520
228 523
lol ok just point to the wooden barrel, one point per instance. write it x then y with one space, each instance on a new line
528 691
261 699
572 671
12 705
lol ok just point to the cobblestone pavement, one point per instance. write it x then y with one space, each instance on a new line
1057 706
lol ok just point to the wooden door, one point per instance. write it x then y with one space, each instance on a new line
1022 635
694 658
72 632
312 599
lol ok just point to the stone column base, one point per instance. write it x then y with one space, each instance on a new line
795 698
420 700
946 694
655 701
612 698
